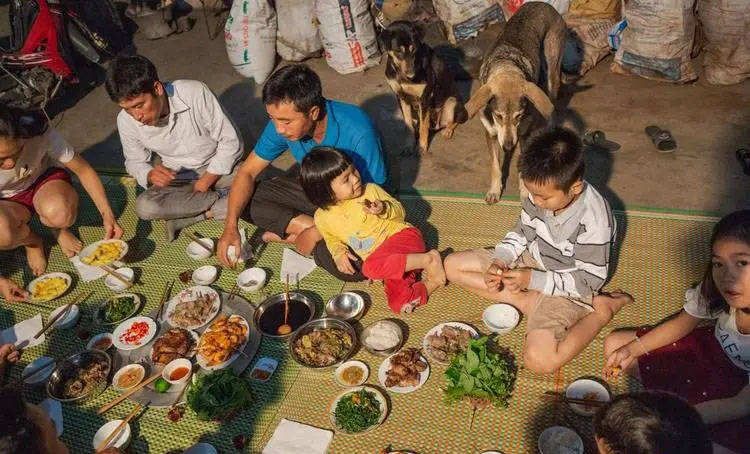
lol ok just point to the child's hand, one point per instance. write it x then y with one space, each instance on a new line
11 291
493 277
618 361
376 207
8 354
517 279
344 263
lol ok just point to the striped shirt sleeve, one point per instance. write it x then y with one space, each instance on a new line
517 240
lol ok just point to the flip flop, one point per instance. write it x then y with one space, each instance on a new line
661 138
597 139
743 155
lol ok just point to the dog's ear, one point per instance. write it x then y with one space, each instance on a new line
539 98
480 99
384 39
418 33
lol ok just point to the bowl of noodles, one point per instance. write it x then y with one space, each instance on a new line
80 376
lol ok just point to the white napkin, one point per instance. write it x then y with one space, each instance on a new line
53 408
296 266
89 273
291 437
22 334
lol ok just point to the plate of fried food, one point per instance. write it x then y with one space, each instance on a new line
104 252
193 307
173 344
222 342
446 339
404 372
49 286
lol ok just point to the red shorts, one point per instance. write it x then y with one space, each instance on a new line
26 197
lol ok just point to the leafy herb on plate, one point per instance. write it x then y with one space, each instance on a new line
218 395
481 375
118 308
357 411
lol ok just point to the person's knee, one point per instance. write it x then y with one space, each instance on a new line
147 208
539 360
306 241
452 267
57 214
8 234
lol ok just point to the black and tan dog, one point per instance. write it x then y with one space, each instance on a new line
422 83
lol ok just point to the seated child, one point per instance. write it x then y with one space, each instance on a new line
364 222
650 423
553 263
708 365
33 179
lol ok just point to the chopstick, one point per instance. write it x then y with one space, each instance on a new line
30 373
117 276
198 240
119 428
164 296
233 292
572 400
129 393
59 315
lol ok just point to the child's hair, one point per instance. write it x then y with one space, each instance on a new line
651 422
554 156
295 83
734 226
8 127
129 76
318 169
18 433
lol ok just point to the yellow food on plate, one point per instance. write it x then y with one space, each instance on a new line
49 288
104 254
222 338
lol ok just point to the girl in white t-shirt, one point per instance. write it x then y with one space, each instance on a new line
33 180
707 365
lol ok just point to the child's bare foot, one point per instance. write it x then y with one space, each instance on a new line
431 286
69 243
434 270
608 304
35 256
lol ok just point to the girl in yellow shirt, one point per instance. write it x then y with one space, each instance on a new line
363 221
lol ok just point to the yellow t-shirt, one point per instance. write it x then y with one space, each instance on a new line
347 224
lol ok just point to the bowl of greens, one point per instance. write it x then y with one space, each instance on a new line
481 375
116 309
218 396
358 410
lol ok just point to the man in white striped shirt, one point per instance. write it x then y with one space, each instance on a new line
552 265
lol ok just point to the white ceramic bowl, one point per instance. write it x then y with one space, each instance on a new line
124 369
44 365
201 448
500 318
196 252
94 340
114 284
205 275
255 277
67 321
560 440
585 388
175 364
119 442
358 364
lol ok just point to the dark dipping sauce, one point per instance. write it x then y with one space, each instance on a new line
273 316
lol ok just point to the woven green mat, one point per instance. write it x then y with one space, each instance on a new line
659 256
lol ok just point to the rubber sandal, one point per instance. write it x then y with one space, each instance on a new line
661 138
743 155
597 139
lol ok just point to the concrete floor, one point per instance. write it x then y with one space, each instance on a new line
709 123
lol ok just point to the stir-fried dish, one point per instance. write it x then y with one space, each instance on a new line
323 347
104 254
118 308
193 311
222 338
450 340
49 288
405 370
175 343
357 411
85 380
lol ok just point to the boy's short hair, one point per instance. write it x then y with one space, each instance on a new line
318 169
297 84
18 433
129 76
651 422
8 127
555 155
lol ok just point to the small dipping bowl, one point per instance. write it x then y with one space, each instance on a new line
205 275
196 252
201 448
270 314
338 373
368 331
175 366
345 306
251 280
130 368
101 342
560 440
67 321
119 442
115 284
44 365
585 388
500 318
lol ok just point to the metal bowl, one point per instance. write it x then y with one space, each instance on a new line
68 369
279 299
345 306
389 351
322 323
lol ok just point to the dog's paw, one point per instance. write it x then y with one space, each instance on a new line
447 132
492 197
423 149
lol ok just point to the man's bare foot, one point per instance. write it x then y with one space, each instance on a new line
434 270
36 258
69 243
270 237
608 304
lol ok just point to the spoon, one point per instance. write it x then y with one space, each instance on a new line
285 328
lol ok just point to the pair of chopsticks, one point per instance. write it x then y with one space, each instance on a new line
129 393
116 275
61 314
195 238
572 400
120 426
164 297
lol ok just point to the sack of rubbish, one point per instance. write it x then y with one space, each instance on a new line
250 38
464 19
588 38
348 35
726 24
511 6
600 9
297 37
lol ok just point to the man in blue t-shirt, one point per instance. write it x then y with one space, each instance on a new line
301 118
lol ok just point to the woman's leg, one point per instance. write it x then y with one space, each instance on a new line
15 232
56 202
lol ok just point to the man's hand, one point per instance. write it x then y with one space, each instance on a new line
11 291
493 277
618 361
112 229
205 182
9 354
344 263
376 207
230 237
161 176
517 279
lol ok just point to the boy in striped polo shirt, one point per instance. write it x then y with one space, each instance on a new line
552 265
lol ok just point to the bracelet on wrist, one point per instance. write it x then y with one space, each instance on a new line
643 346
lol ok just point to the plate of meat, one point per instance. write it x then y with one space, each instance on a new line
404 372
193 307
446 339
173 344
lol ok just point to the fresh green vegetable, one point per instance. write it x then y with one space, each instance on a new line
161 385
218 395
357 411
480 374
118 308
